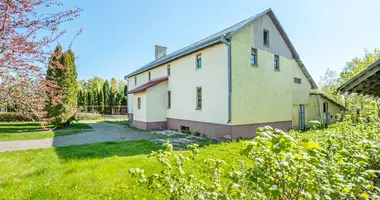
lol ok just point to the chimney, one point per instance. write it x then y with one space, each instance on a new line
159 51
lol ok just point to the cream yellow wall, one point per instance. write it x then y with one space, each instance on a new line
140 114
184 78
300 92
259 94
316 109
156 102
212 77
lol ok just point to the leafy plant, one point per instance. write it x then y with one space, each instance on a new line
341 162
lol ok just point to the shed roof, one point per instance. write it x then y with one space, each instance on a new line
148 85
367 82
330 99
217 38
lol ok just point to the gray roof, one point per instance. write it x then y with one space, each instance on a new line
217 37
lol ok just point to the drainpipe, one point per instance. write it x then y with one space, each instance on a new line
224 40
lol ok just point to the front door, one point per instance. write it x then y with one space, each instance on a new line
301 117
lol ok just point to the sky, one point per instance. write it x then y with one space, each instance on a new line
119 35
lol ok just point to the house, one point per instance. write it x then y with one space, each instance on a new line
228 84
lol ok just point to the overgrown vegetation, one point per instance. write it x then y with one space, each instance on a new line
341 162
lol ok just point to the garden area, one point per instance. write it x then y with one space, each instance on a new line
340 162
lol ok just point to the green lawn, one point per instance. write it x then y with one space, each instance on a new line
34 131
37 135
21 127
120 122
95 171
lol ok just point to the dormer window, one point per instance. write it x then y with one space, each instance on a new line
266 37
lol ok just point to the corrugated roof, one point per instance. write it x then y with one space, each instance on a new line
217 37
148 85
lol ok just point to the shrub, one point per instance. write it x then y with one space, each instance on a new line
88 116
342 164
14 117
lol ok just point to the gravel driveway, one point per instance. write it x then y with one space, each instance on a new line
103 132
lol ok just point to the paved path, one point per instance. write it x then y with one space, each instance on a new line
103 132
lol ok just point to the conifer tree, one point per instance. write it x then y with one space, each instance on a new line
62 72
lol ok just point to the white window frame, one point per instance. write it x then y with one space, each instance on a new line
198 98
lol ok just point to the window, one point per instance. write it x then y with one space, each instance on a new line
135 80
139 103
149 76
199 98
184 129
297 80
276 62
254 57
169 99
266 37
168 70
199 61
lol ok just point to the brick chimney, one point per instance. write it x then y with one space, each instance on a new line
159 51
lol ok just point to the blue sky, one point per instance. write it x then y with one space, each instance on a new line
119 35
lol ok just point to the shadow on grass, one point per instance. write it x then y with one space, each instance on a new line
20 127
107 149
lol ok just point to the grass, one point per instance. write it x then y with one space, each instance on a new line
37 135
34 131
120 122
19 127
95 171
22 127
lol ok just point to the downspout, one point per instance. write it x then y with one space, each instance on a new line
228 43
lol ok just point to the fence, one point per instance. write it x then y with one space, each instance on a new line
105 110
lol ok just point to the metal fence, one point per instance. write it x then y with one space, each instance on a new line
105 110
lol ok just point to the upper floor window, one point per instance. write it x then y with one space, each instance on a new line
199 98
149 76
266 37
298 80
169 99
139 103
168 70
276 62
135 80
199 61
254 57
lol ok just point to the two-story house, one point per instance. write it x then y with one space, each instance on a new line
228 84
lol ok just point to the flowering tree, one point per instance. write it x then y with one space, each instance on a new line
25 38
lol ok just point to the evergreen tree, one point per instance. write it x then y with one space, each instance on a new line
114 86
106 92
101 101
62 71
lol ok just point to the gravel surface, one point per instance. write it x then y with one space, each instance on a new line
103 132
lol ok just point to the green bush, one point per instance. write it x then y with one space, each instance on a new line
88 116
342 162
14 117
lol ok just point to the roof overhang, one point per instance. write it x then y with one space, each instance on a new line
151 83
365 83
330 99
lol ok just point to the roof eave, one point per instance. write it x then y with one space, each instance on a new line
168 59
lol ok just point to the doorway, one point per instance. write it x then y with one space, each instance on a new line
301 117
326 116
